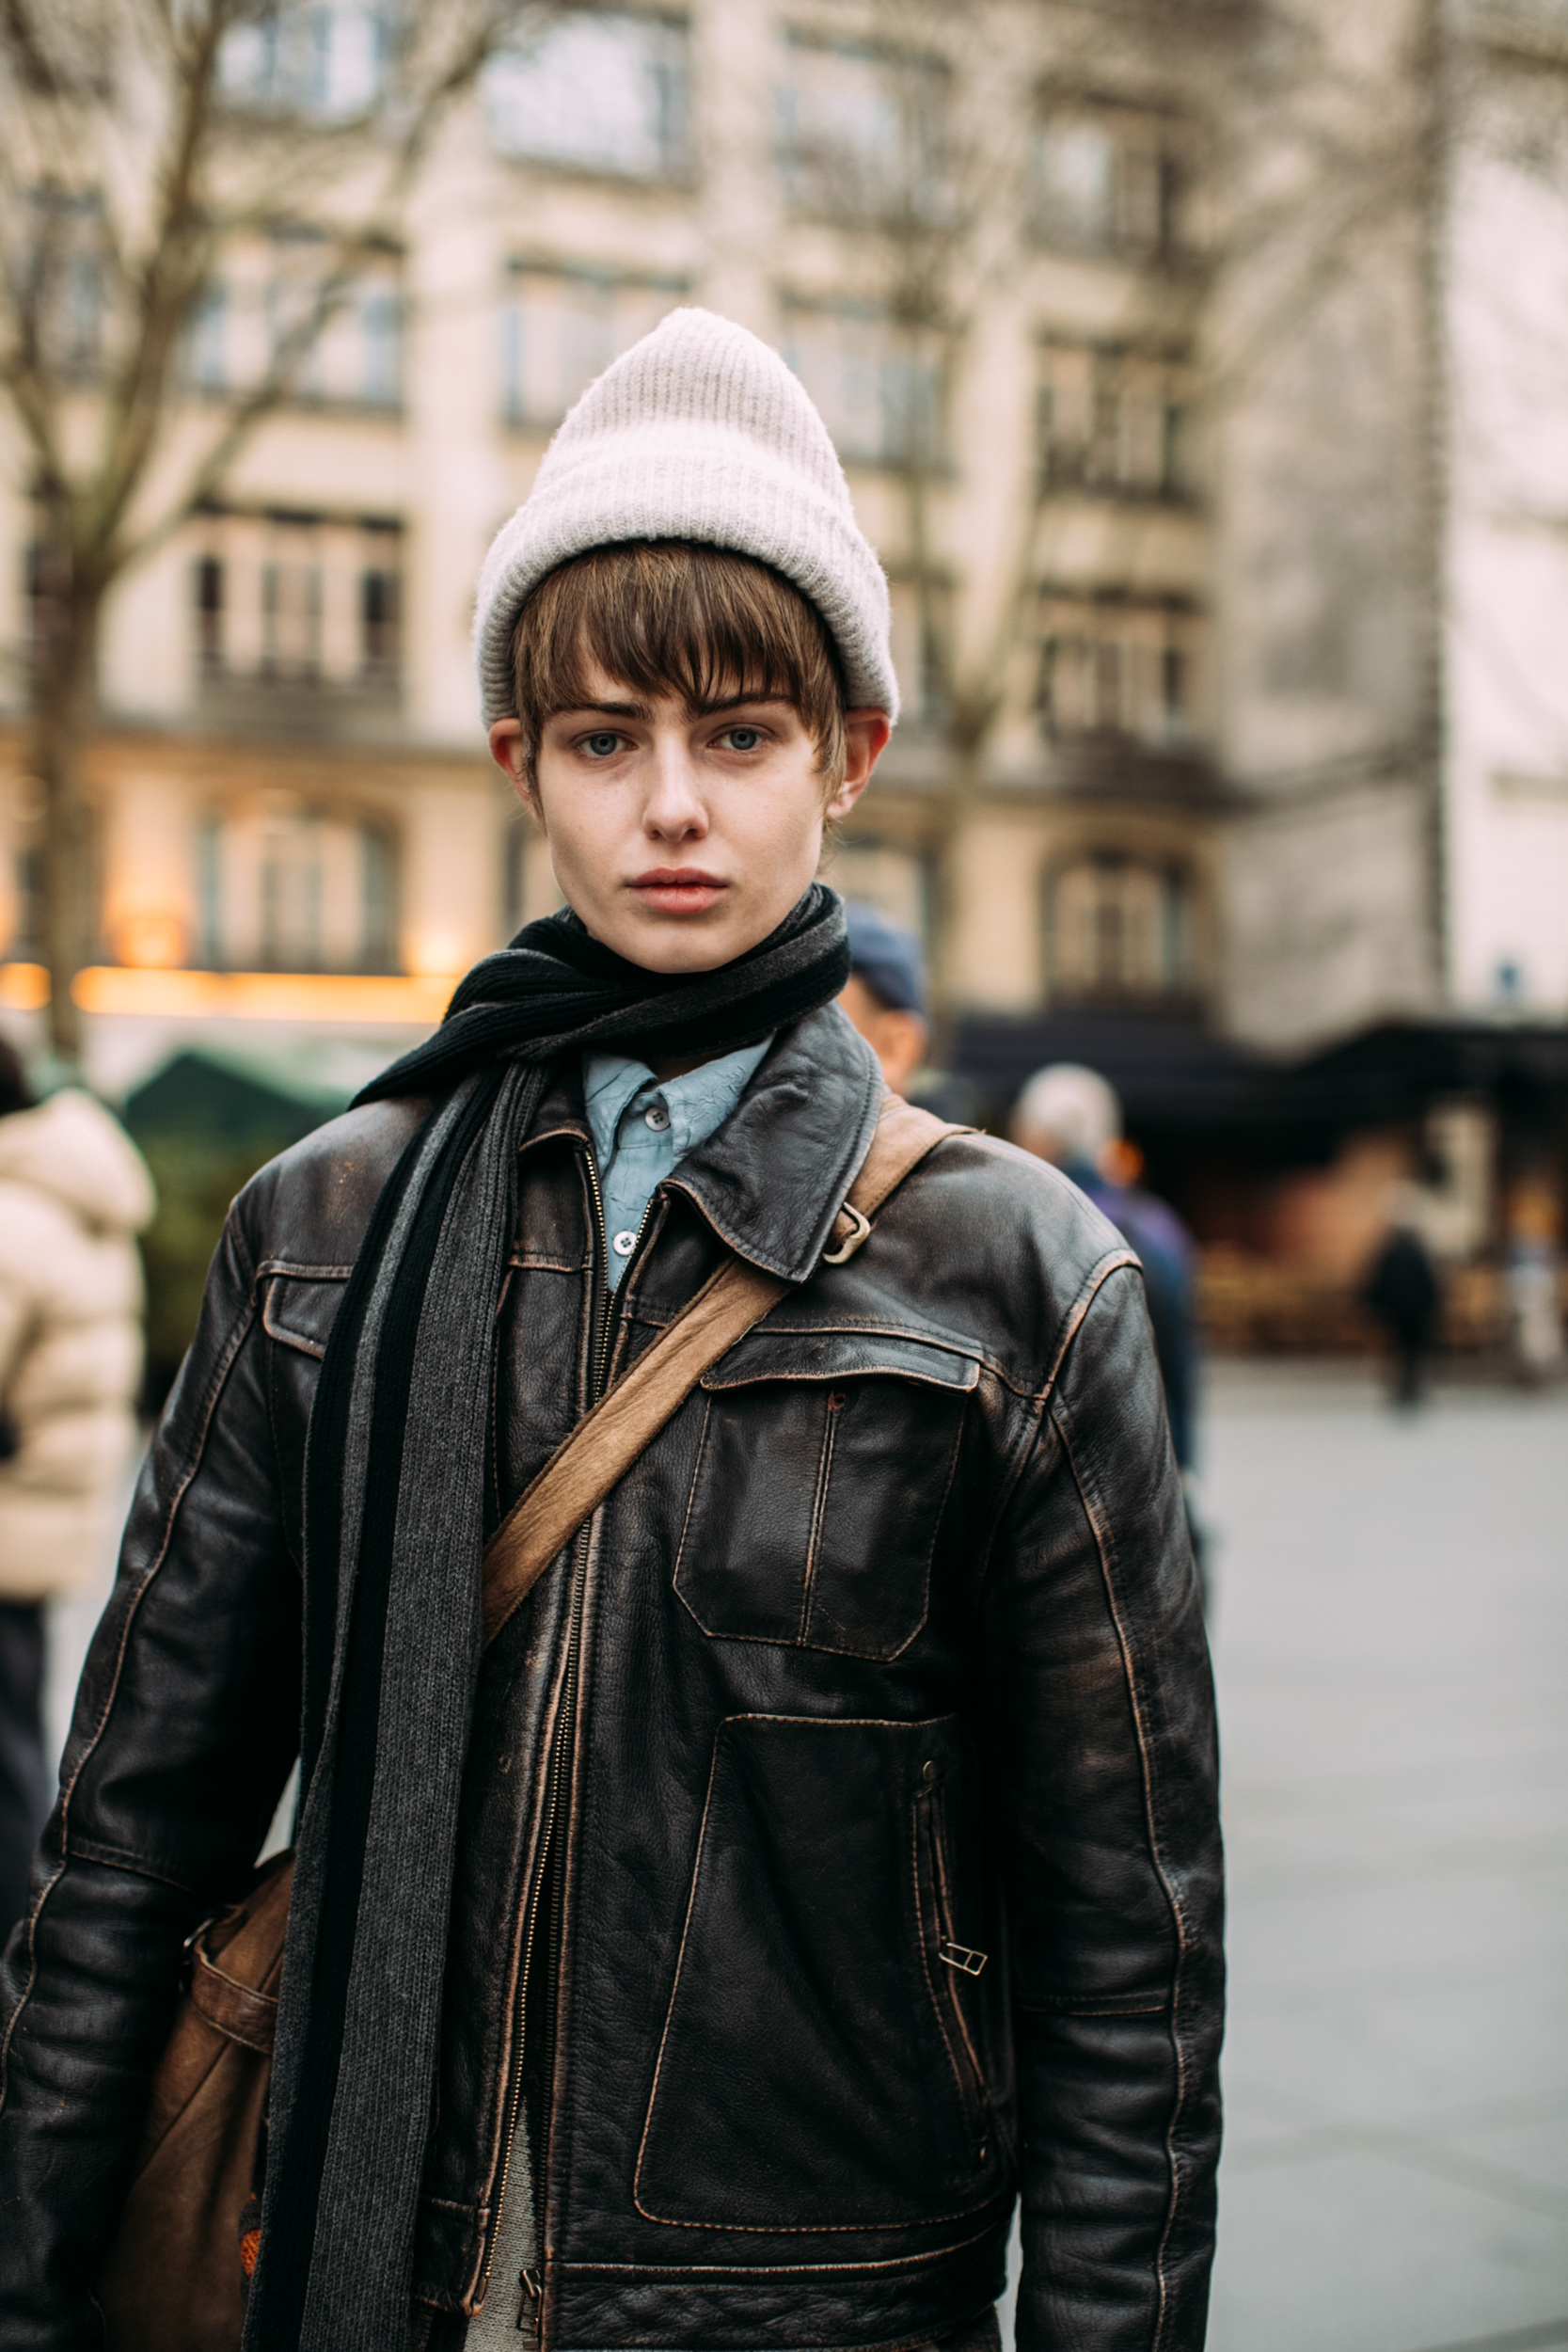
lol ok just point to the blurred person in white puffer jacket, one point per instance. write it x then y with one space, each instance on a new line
75 1192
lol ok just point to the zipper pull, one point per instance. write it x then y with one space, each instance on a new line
962 1956
530 2305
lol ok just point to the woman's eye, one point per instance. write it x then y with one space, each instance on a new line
602 745
742 738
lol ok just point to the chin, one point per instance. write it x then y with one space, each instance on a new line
680 951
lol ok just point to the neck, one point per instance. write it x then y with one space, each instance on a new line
676 1065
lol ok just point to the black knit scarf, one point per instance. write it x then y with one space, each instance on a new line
393 1536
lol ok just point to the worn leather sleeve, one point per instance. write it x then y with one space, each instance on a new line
1111 1854
183 1737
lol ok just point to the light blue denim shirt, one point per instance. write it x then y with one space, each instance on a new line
643 1130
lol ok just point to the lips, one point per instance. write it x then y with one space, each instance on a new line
678 889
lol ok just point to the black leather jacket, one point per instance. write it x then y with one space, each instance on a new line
886 1656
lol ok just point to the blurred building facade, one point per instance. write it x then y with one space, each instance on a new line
1227 601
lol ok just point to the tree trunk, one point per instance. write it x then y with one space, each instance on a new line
958 803
64 684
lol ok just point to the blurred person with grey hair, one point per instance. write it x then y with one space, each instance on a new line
1069 1115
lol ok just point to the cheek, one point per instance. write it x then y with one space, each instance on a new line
789 815
574 820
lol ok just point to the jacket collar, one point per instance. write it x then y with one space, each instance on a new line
772 1177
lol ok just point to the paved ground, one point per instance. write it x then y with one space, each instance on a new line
1391 1639
1390 1628
1391 1642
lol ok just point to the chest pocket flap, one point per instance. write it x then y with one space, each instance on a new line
825 1462
300 1310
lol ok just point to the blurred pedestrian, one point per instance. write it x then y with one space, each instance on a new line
1401 1292
885 998
1533 1262
885 993
1071 1116
75 1192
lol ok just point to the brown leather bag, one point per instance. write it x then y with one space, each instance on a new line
173 2282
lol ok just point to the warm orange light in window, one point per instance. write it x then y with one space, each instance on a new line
344 997
434 955
148 939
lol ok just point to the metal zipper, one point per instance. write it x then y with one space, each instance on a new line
532 2280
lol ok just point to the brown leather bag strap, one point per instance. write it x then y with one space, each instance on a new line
605 1442
236 2009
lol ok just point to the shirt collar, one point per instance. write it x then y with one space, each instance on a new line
698 1101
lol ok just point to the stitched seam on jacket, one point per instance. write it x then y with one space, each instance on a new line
655 2272
241 1323
1038 1402
818 1505
1100 1526
123 1858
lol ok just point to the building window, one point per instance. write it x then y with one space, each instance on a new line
1118 666
286 887
1114 422
380 596
598 90
877 385
327 61
291 619
862 131
208 615
307 602
353 356
380 352
1106 178
206 343
884 874
1118 928
62 296
561 328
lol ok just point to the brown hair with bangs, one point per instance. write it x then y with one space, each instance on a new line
665 616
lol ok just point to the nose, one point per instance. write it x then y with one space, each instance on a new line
673 810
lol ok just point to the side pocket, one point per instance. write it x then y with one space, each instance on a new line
808 2077
952 1964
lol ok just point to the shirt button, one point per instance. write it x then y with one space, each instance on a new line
623 1245
657 1117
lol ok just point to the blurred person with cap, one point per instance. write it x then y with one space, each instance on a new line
885 998
1071 1116
75 1192
885 993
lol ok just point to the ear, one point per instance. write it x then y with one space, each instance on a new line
865 735
506 750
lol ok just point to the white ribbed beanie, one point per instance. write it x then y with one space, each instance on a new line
698 432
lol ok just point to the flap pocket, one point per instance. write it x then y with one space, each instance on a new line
774 1355
300 1310
824 1467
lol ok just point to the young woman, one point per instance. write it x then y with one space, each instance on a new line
825 1852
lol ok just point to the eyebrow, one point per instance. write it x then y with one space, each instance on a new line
644 711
